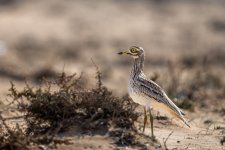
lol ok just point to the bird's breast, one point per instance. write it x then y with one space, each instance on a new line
137 96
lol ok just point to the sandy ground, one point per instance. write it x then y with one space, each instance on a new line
43 38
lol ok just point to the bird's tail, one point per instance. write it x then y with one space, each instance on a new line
178 114
181 117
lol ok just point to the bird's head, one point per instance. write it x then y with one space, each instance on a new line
134 51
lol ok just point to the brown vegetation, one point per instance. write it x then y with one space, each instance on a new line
59 104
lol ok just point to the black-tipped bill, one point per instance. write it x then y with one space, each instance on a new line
120 53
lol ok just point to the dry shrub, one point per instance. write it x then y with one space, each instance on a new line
14 138
65 102
222 140
201 82
185 104
189 61
220 110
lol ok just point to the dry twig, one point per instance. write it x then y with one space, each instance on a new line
165 140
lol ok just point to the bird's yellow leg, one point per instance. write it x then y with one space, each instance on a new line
145 119
151 121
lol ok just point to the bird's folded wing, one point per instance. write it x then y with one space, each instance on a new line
152 90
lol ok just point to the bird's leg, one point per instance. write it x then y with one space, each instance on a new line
145 119
151 121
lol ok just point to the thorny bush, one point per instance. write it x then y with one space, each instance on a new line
64 102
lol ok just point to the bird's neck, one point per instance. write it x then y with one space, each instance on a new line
138 66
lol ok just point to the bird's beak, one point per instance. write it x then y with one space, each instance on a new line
124 52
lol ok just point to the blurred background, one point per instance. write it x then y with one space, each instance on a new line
184 41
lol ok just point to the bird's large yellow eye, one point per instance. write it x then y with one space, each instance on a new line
133 50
